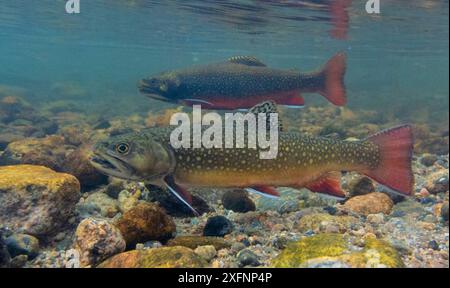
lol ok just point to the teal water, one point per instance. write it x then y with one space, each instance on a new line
397 60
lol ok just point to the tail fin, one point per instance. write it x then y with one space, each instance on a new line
395 148
333 80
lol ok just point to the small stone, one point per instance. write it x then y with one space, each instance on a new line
438 182
127 200
207 252
217 226
444 211
22 244
145 222
238 201
97 240
108 207
247 258
19 261
236 247
428 159
361 186
114 188
375 218
372 203
433 245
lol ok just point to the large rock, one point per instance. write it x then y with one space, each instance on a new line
165 257
35 199
145 222
97 240
372 203
49 152
238 201
22 244
317 250
77 164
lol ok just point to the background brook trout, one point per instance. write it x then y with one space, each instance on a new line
242 82
302 161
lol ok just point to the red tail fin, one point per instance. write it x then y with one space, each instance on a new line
333 87
395 148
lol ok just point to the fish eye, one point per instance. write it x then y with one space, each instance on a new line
122 148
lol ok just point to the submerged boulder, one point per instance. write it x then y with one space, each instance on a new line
36 200
238 201
372 203
145 222
97 240
326 249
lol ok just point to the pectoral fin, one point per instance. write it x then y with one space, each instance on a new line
329 184
265 191
181 193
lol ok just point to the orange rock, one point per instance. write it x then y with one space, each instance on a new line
145 222
372 203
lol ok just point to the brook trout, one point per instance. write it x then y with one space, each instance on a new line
302 161
243 81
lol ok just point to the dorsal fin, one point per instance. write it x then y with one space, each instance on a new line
246 60
267 107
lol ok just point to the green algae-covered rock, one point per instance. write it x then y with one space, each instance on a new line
164 257
196 241
334 248
322 245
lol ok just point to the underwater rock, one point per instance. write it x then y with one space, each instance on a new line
247 258
97 240
145 222
207 252
76 135
428 159
444 211
77 164
323 223
35 199
238 201
197 241
361 186
49 152
437 182
372 203
217 226
172 204
7 137
22 244
5 258
128 200
114 187
108 207
164 257
335 247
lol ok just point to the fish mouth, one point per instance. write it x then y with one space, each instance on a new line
112 166
151 91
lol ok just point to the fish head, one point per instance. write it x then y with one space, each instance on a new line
163 87
133 156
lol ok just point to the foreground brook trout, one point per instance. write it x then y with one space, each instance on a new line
302 161
242 82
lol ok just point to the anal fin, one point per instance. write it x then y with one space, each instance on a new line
329 184
265 191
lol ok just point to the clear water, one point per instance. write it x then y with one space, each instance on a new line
397 60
